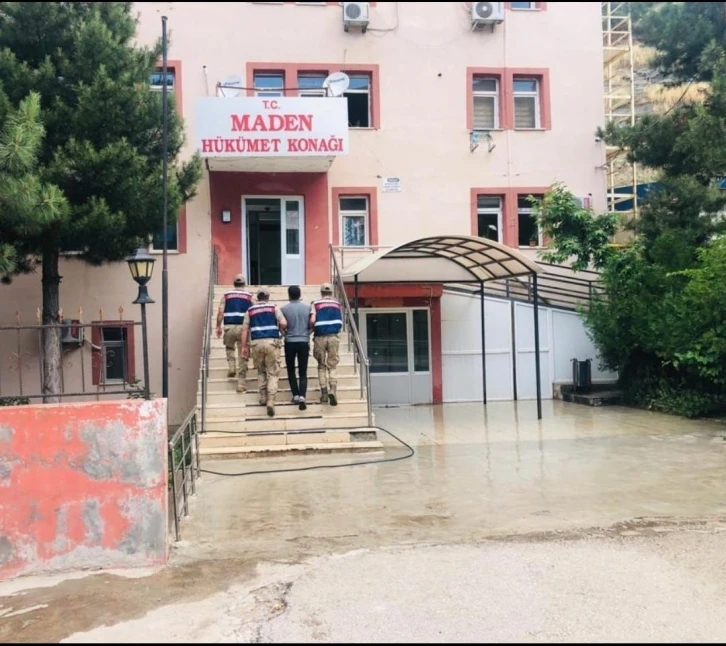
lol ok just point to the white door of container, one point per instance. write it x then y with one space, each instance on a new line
462 341
526 374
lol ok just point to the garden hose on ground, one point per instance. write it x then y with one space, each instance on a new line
410 454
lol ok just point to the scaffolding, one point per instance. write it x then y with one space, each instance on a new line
619 86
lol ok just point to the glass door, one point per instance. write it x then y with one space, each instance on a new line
292 241
273 240
398 344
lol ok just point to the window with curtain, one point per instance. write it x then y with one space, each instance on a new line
485 92
526 103
354 221
489 216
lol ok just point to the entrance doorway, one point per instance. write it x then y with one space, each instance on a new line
398 345
273 240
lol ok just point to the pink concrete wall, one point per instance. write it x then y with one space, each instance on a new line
82 486
423 60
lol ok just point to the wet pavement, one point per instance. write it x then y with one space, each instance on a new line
476 473
487 479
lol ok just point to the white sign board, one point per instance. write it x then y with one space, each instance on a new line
392 185
272 127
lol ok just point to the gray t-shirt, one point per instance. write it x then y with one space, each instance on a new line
297 315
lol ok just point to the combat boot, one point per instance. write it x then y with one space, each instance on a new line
323 395
333 397
270 407
231 371
241 387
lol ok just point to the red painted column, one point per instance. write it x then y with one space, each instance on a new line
437 371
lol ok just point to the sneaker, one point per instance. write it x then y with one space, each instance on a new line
296 399
333 399
301 403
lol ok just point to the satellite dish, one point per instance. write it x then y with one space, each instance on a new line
231 86
336 84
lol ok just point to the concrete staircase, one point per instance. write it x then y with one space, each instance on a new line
237 426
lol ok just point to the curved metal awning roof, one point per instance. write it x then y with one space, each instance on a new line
442 259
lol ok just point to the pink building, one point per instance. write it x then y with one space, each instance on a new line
452 116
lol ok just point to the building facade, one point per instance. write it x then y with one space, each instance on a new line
443 128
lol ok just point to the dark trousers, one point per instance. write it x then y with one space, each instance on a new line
299 350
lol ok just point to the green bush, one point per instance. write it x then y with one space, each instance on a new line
665 332
14 401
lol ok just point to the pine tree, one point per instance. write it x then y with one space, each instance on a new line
683 33
103 141
26 203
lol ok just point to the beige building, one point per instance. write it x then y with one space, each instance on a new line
450 114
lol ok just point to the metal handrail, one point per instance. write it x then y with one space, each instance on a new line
185 441
207 334
359 354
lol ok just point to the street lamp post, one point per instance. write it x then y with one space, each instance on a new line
165 190
141 265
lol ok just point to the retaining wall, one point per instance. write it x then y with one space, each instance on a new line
83 486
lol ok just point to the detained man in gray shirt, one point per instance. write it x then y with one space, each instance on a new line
297 344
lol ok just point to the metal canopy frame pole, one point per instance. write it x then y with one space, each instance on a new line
538 378
483 346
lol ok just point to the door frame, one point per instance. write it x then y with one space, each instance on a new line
283 256
409 375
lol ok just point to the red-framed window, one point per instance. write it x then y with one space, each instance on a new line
508 99
355 216
285 79
113 353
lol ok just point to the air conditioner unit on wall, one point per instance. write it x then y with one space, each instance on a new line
356 14
487 13
71 332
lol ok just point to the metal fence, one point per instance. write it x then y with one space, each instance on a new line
184 468
350 325
96 360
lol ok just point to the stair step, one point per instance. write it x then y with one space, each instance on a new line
218 344
225 440
230 384
288 423
242 410
218 358
265 451
230 396
220 371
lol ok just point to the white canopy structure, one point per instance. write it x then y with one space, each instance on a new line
452 259
442 259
